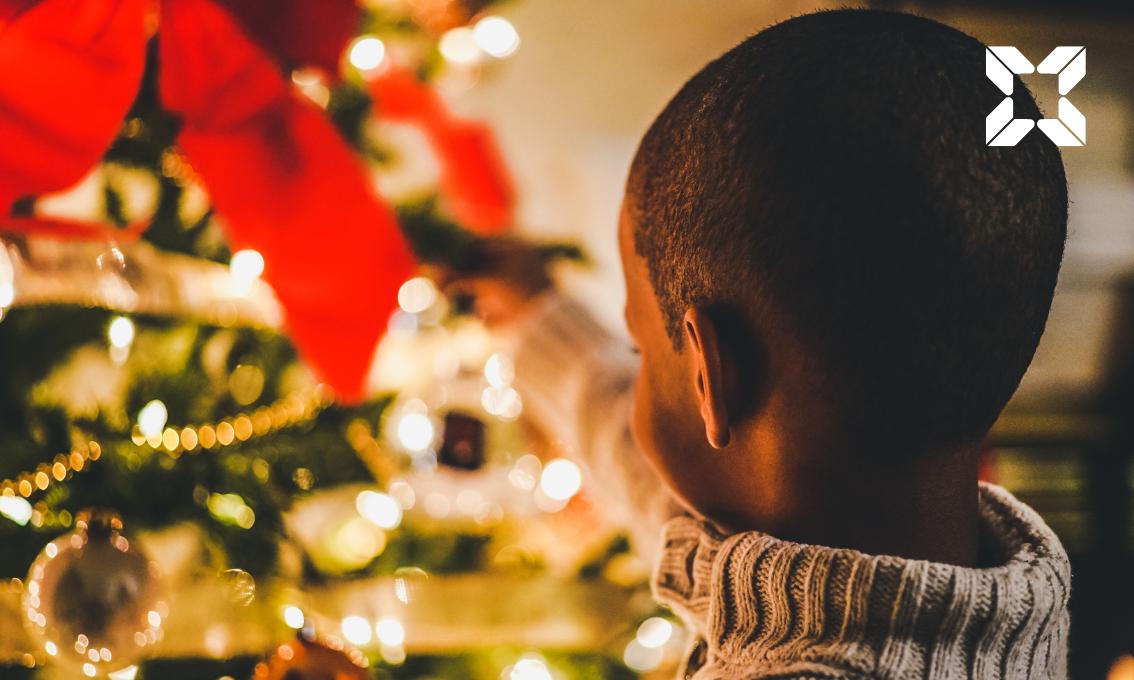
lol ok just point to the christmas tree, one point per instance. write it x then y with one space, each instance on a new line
213 212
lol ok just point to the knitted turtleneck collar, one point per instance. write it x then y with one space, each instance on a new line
763 607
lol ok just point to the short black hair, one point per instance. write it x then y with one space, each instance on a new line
833 170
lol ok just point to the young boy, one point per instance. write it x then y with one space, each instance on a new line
835 286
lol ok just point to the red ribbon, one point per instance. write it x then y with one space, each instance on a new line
69 70
287 185
280 176
475 183
278 173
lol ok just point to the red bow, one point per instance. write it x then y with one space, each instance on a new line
276 170
474 180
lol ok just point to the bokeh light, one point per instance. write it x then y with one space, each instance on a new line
496 36
561 479
356 630
379 508
366 53
152 419
459 46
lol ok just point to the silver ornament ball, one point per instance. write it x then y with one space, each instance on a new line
93 599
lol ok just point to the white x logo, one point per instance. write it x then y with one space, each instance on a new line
1069 129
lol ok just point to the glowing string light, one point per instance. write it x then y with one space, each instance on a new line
366 53
152 419
293 617
561 479
496 36
459 46
654 632
530 668
16 509
356 630
245 269
417 295
379 508
390 631
640 658
120 333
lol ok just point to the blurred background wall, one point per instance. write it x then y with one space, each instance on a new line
591 75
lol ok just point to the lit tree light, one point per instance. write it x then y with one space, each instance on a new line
120 332
417 295
293 617
15 508
366 53
654 632
390 631
530 667
504 403
525 472
499 370
127 673
230 508
245 269
152 419
459 46
415 431
642 659
561 479
496 36
356 630
379 508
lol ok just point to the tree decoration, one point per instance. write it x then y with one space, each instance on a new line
474 181
93 599
309 657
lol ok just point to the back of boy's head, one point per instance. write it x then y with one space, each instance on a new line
830 174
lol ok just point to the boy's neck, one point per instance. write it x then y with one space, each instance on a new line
925 509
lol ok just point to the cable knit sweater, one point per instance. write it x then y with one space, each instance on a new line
764 608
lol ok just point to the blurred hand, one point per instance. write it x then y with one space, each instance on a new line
506 274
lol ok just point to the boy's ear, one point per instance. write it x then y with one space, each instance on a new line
704 343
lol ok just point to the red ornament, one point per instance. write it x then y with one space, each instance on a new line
325 658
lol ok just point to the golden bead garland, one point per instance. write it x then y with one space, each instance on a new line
292 410
45 474
289 411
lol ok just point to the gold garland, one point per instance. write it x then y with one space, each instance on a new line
289 411
45 474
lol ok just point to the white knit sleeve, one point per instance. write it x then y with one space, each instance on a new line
577 381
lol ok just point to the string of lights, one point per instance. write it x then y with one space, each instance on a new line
151 431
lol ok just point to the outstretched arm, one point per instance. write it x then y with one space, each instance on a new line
575 378
577 384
